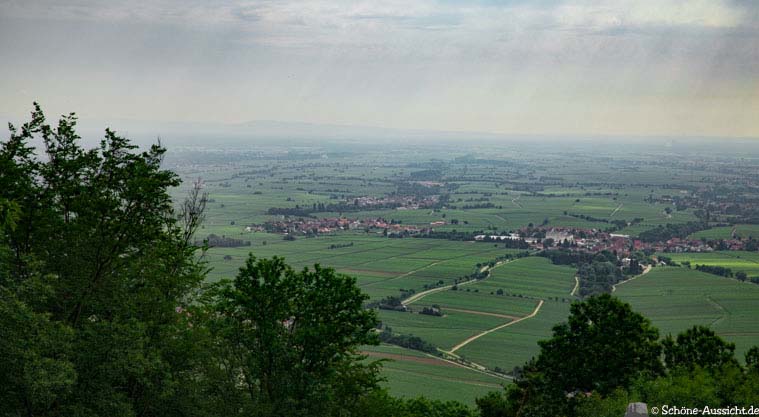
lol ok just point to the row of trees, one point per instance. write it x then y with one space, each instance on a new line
597 273
663 233
598 277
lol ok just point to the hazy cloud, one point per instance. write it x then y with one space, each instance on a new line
622 66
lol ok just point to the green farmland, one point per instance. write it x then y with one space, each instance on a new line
678 298
382 266
494 322
726 232
410 373
534 279
747 262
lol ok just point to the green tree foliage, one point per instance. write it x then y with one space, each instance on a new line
613 405
699 387
598 277
95 263
496 404
669 231
380 404
752 359
289 339
36 370
698 346
103 311
606 356
604 346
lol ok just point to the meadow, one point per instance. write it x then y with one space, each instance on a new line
410 374
678 298
747 262
726 232
534 279
383 267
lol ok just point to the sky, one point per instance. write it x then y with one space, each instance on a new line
538 67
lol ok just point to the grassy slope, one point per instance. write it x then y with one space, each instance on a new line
536 278
407 378
678 298
747 262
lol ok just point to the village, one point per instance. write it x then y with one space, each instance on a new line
595 240
537 238
328 225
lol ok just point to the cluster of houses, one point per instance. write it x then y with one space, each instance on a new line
398 202
309 226
594 240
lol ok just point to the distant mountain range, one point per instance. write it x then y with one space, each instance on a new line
302 133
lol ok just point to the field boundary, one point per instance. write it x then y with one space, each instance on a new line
479 335
718 306
616 210
576 287
418 296
482 313
405 274
646 270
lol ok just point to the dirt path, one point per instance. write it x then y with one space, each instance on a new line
719 307
482 313
576 287
616 210
409 358
404 274
516 201
458 380
472 365
438 361
479 335
516 319
646 270
418 296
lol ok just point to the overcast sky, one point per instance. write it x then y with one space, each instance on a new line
624 67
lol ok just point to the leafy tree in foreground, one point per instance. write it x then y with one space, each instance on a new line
102 311
94 265
35 369
380 404
582 370
752 359
603 347
698 346
289 340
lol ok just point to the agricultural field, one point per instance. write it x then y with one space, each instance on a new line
513 290
514 345
737 261
727 232
678 298
533 279
382 266
411 373
494 322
